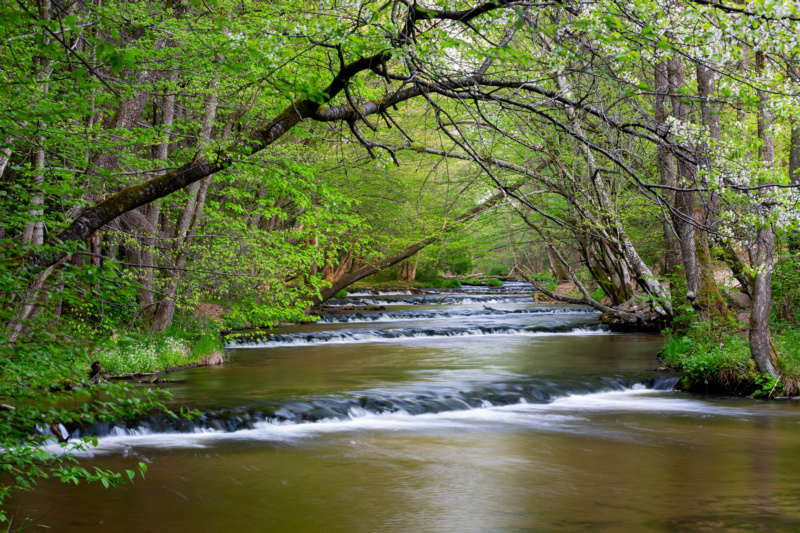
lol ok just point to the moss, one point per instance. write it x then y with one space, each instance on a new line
709 298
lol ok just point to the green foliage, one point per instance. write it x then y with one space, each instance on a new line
44 381
273 222
206 344
490 282
598 294
456 261
786 290
498 270
439 283
546 279
702 353
707 354
134 355
341 294
450 284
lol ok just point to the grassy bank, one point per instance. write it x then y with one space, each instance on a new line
716 359
159 352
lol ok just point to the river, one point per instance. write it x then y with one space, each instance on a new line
472 413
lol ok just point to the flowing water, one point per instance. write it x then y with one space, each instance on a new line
453 412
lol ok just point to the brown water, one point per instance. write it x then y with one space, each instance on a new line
591 446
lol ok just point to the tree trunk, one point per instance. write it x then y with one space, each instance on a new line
34 229
710 299
152 211
624 246
407 271
794 153
794 176
558 269
608 270
683 215
761 347
5 154
666 169
189 220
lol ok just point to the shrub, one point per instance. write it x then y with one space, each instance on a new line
207 344
598 294
341 294
498 270
494 282
786 290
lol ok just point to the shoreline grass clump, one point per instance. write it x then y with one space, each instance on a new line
126 355
716 359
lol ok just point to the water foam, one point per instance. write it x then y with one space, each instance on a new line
410 334
566 413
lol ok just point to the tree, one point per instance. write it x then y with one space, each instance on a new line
195 150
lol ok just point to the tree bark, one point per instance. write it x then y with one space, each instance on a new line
5 154
683 214
33 233
794 152
709 297
761 347
152 211
666 169
188 221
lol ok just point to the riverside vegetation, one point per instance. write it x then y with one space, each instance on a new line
259 158
714 356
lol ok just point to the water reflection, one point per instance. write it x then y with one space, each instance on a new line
605 458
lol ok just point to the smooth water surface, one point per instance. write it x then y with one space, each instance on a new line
486 412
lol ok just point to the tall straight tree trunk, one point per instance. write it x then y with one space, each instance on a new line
34 229
794 153
710 298
666 169
794 175
5 154
152 211
189 219
761 347
683 216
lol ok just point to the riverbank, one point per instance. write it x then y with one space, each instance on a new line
716 360
126 358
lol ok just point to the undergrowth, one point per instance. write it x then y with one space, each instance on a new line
716 358
174 349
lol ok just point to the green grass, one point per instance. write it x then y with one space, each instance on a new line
437 283
148 354
708 354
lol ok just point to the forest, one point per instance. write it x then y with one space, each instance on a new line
170 170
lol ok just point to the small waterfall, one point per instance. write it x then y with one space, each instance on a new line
411 402
388 335
395 316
